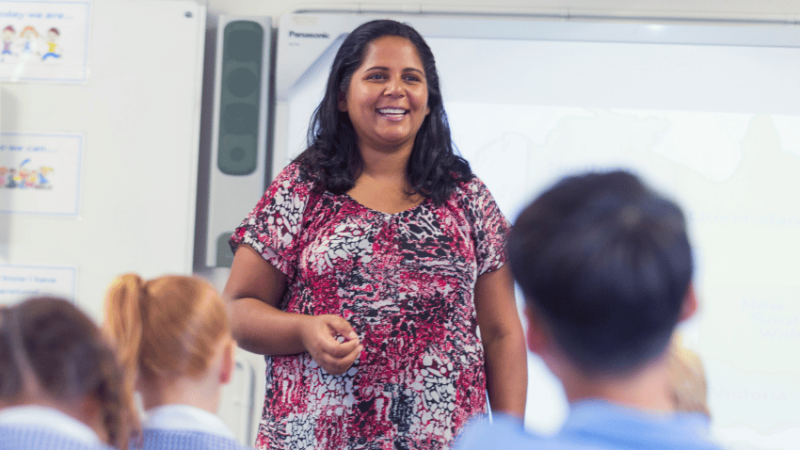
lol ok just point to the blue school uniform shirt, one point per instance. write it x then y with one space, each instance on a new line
41 428
595 425
184 440
15 437
183 427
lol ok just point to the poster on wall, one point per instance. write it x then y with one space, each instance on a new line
40 173
44 41
18 282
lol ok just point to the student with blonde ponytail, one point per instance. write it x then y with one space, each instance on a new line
60 385
173 337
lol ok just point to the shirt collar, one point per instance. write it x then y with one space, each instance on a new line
598 416
186 418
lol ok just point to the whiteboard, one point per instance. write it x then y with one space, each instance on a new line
132 178
707 113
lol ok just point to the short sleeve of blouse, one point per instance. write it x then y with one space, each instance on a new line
489 227
273 228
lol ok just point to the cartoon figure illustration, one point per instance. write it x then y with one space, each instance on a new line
12 179
8 40
25 178
22 178
44 172
52 36
29 36
31 179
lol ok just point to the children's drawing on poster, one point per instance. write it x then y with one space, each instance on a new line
40 173
44 41
18 282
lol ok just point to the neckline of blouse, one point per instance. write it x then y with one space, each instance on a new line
424 201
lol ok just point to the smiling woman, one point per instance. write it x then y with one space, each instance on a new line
365 270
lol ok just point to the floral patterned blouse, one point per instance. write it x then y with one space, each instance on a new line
405 282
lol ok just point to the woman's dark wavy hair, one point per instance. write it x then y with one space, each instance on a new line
332 156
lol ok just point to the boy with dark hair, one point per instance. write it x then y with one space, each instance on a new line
605 265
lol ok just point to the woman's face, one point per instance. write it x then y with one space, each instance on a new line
387 99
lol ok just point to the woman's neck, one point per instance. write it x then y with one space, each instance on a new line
382 184
385 164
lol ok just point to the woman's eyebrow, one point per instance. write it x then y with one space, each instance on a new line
407 69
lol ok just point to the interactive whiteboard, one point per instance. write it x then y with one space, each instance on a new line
708 113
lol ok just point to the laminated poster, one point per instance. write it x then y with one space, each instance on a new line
44 41
18 282
40 173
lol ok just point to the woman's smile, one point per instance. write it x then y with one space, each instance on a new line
393 113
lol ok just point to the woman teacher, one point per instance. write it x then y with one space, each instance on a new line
367 267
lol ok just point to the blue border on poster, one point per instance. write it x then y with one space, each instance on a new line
88 4
74 298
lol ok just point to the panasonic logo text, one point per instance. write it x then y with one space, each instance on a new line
309 35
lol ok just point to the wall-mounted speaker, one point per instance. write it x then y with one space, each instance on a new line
239 160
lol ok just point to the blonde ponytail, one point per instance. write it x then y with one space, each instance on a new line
123 324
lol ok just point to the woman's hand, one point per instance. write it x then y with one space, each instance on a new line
253 291
331 342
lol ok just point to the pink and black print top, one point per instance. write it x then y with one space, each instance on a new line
406 283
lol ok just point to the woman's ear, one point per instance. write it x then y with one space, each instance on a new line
689 307
342 99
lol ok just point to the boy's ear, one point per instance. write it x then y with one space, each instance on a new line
535 335
228 362
689 307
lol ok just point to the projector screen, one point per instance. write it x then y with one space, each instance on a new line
708 114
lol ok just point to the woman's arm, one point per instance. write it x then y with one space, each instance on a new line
503 342
252 293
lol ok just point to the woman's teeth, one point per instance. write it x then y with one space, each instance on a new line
392 111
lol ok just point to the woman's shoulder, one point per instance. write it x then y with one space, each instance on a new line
473 199
470 188
294 173
297 180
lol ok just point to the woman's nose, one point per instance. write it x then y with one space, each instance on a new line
394 88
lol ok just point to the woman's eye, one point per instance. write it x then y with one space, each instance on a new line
376 76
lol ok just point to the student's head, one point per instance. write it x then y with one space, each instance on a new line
167 328
52 354
605 265
332 132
